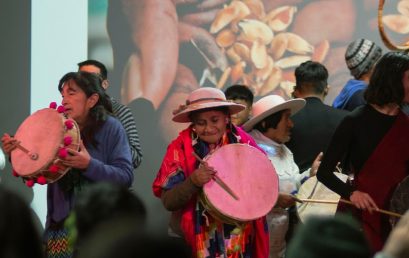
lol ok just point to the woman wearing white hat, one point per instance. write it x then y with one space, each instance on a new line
180 179
270 127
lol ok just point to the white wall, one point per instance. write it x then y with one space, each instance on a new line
59 42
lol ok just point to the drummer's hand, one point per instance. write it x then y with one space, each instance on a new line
363 201
285 200
397 244
78 159
8 143
316 164
202 175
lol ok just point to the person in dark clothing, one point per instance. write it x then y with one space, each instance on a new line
315 124
101 203
240 94
360 57
377 143
122 112
324 236
19 237
103 154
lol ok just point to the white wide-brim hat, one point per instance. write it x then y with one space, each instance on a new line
204 98
269 105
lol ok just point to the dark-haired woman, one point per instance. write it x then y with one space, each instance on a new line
104 153
375 138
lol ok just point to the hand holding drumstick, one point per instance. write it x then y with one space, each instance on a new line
9 143
363 201
202 175
324 201
216 178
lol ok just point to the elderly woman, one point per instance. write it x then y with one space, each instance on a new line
271 127
375 138
103 156
180 178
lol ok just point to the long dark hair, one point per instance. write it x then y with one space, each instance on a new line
90 84
386 84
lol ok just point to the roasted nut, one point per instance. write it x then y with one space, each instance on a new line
272 82
280 18
256 7
237 71
320 51
258 54
403 7
258 57
224 78
292 61
279 45
254 29
397 23
236 10
298 45
262 74
225 38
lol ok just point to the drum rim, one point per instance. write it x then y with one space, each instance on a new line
43 171
306 204
223 216
392 203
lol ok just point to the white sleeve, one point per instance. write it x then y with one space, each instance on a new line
2 159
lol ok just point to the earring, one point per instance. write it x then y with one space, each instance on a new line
195 137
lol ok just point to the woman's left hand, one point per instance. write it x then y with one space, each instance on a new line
78 159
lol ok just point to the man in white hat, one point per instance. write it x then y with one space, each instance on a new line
271 127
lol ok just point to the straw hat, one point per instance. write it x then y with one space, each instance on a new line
203 98
269 105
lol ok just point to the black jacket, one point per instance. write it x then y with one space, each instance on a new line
314 126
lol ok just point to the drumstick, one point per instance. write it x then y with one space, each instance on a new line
33 156
297 199
390 213
319 201
217 179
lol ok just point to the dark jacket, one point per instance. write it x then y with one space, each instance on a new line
314 126
351 96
